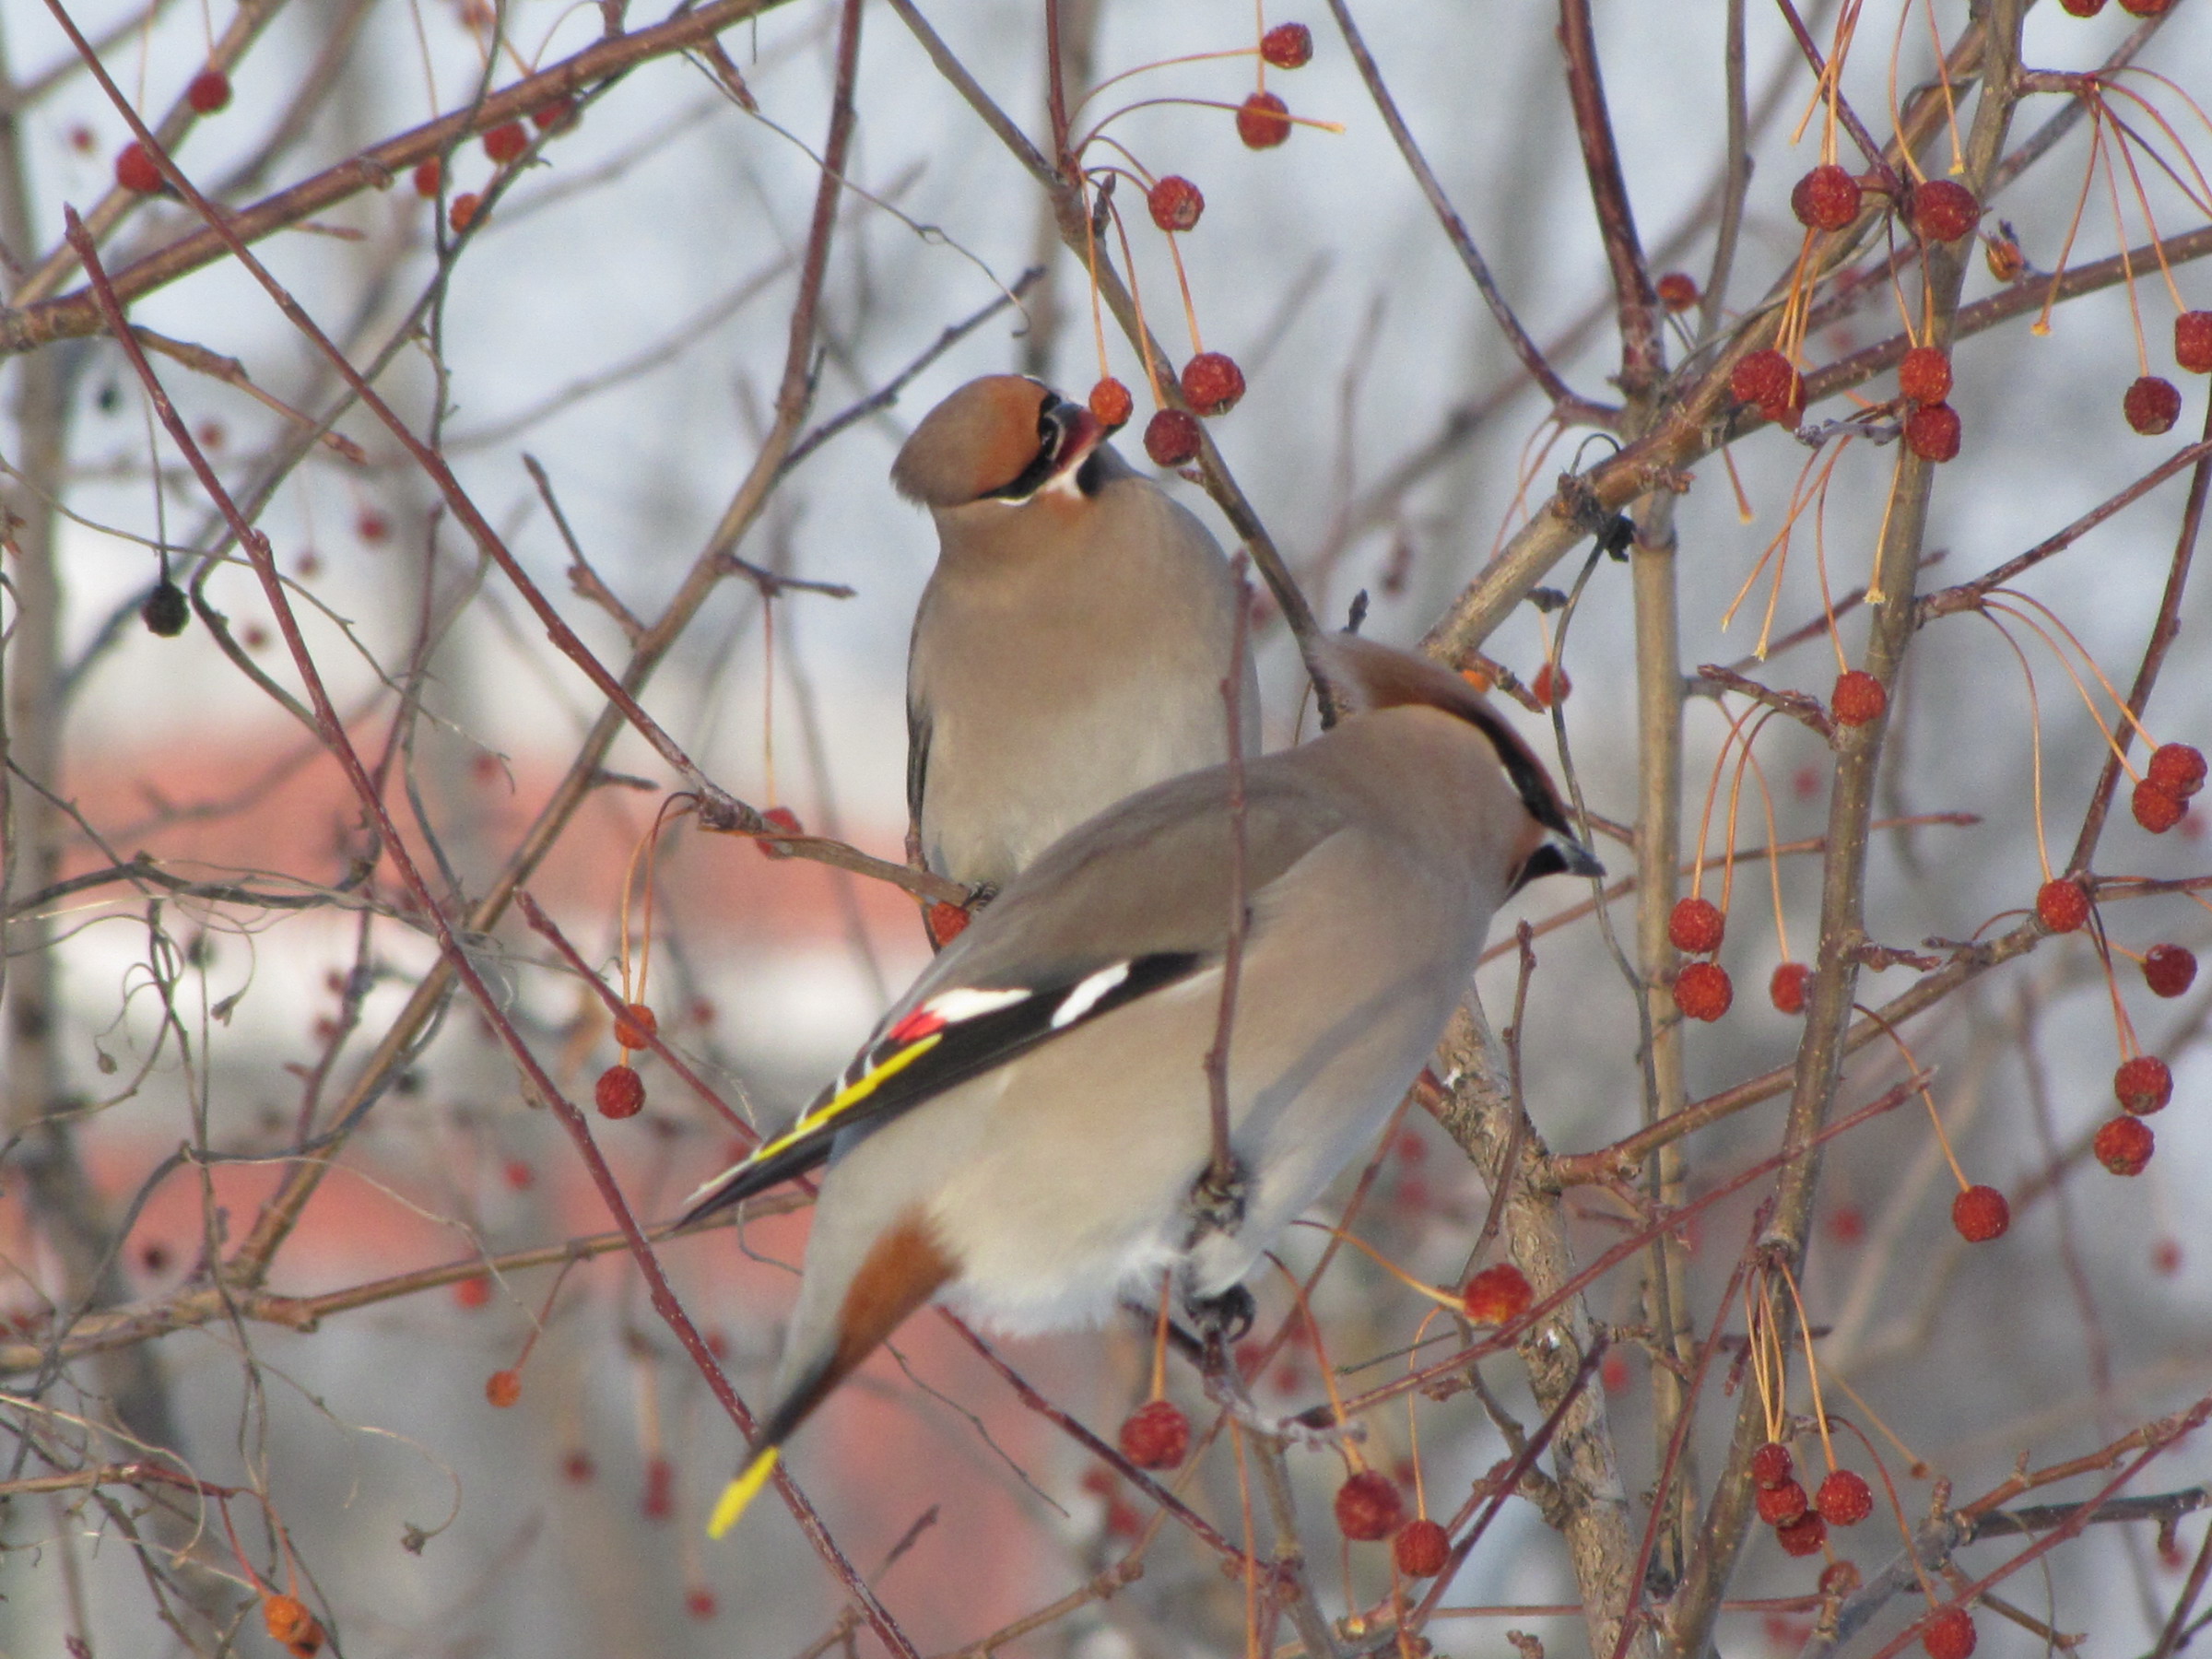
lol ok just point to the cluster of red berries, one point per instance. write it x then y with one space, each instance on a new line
1924 380
1800 1524
1370 1508
1702 990
2176 772
1211 384
136 169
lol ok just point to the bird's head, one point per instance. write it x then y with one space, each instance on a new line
1002 439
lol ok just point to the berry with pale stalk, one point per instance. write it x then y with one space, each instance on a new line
1949 1635
1263 120
1779 1505
2063 905
2142 1085
1677 291
1422 1548
1980 1213
1212 383
1696 926
1845 1499
2152 405
2179 767
619 1093
1172 437
1288 46
1923 374
1157 1435
1704 991
134 169
1771 1464
1497 1296
1858 699
210 92
635 1026
1368 1507
1933 431
2156 810
503 1388
1803 1537
1175 203
2124 1146
2169 969
1111 401
1942 211
1826 199
1786 989
2193 341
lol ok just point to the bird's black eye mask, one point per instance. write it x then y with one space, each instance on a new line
1051 438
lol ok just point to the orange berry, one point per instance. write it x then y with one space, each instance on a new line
503 1388
1704 991
1156 1436
1845 1499
1172 437
1550 685
635 1026
2144 1084
2124 1146
2169 969
1175 202
1110 402
472 1292
1942 211
1786 989
1212 383
1931 432
1677 291
1923 374
1497 1296
210 92
1422 1548
134 169
619 1093
287 1617
1696 925
1980 1213
1288 46
2156 810
2152 405
1263 120
1369 1506
2063 904
461 212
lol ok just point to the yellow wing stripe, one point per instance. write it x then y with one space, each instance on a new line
740 1492
859 1089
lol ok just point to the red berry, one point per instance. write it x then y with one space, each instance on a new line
635 1026
777 817
1172 437
1787 987
2177 766
2169 969
474 1292
2193 341
1770 381
700 1603
2124 1146
428 176
619 1093
2144 1084
1826 199
210 92
1263 120
1702 991
1696 926
560 112
1288 45
505 142
2146 8
503 1388
2081 8
1677 291
2063 905
1212 383
1771 1464
1175 203
1368 1507
134 169
1931 432
1950 1634
2151 405
1803 1537
461 212
1858 699
1111 401
1779 1505
1422 1548
1942 211
1157 1435
1550 684
1923 374
1497 1296
1845 1499
1980 1213
2157 810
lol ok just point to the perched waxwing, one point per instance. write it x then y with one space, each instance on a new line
1071 645
1023 1133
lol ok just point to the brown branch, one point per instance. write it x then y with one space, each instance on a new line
1642 357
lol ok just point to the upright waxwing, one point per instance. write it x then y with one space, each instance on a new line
1070 647
1024 1132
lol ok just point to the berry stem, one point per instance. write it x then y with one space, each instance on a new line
1160 1340
1927 1094
1812 1366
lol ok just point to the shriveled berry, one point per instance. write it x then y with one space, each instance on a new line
1931 432
777 818
505 142
1172 437
2124 1146
1826 199
619 1093
1786 989
503 1388
1858 699
429 175
1175 202
2142 1085
1923 374
1111 401
2179 767
134 169
1845 1499
1980 1213
1942 211
2169 969
1677 291
1949 1635
210 92
635 1026
1803 1537
2063 904
2156 810
1696 926
2151 404
2193 341
1155 1435
1549 684
1212 383
1368 1507
1839 1578
1779 1505
1422 1548
1771 1464
1263 120
461 212
1497 1296
1702 991
1288 46
165 611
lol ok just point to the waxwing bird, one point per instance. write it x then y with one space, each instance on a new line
1071 645
1023 1133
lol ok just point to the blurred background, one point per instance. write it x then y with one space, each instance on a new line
620 315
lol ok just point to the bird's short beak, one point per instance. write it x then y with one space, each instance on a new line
1080 432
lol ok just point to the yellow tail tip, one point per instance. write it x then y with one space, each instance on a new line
739 1494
